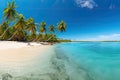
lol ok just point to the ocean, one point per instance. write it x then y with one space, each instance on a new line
97 60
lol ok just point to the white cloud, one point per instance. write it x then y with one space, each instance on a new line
86 3
104 37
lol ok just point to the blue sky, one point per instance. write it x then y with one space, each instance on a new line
86 19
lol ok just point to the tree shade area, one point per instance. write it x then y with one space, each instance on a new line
15 27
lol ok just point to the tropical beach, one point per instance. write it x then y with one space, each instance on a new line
51 62
26 51
21 61
59 40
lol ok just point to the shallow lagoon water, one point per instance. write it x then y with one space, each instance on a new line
101 60
66 61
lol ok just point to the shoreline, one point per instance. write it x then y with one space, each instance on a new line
39 62
14 45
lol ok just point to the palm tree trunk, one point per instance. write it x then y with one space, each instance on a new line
13 35
38 39
4 32
50 37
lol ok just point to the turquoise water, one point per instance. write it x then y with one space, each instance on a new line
64 61
99 60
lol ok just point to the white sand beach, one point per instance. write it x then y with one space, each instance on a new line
18 59
13 44
19 50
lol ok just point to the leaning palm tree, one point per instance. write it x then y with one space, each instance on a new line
19 26
31 27
9 14
42 28
61 26
4 27
52 30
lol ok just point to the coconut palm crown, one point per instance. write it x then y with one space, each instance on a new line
42 27
51 28
9 12
61 26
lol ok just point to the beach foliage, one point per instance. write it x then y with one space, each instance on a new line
15 27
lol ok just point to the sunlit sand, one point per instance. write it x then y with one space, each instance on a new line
17 58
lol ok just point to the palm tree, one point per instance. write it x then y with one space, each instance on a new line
19 26
52 30
61 26
9 14
4 27
31 27
42 28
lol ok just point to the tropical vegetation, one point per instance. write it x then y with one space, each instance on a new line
15 27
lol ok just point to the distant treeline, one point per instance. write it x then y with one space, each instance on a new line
64 40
